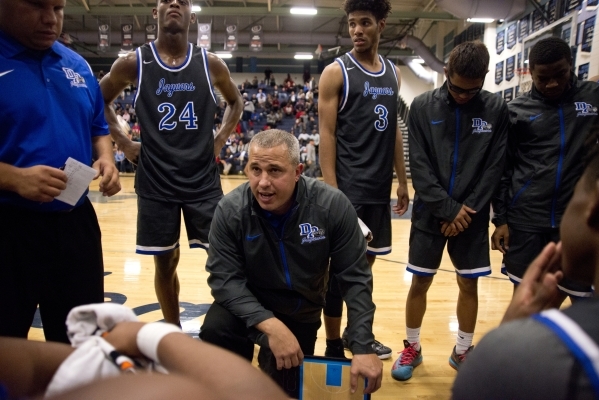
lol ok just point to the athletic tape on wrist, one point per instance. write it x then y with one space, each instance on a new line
150 335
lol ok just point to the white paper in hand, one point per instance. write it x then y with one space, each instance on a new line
79 177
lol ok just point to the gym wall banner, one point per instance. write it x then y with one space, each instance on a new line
256 38
151 32
509 68
511 38
103 37
537 20
204 35
127 37
587 34
552 10
508 95
500 42
499 72
231 38
583 72
524 27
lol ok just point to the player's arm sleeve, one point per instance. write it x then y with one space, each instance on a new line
500 200
493 167
424 178
349 264
226 264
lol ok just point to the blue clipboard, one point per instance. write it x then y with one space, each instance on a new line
328 378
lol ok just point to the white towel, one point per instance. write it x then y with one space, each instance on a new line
365 230
90 320
91 359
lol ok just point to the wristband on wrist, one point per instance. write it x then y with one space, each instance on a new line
150 335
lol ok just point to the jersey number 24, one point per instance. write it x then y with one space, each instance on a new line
187 116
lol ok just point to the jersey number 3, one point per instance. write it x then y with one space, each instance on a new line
381 123
187 116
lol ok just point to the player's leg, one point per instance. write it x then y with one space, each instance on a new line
425 254
225 330
469 253
75 271
158 229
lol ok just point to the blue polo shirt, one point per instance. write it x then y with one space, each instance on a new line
51 107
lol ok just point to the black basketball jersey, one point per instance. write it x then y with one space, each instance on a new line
175 107
366 131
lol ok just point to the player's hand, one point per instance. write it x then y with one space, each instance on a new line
282 343
403 200
40 183
463 219
449 229
538 288
501 234
109 184
124 338
370 367
131 151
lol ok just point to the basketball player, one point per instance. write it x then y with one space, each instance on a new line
457 137
548 128
360 143
176 172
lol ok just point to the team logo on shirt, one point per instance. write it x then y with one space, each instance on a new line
585 109
170 88
481 126
375 91
76 79
311 232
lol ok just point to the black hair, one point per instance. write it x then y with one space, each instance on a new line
469 60
379 8
548 51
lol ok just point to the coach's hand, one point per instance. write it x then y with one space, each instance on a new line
39 183
501 234
282 343
109 184
370 367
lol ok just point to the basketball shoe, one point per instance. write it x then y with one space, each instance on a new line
408 359
457 359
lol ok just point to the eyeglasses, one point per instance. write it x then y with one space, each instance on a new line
459 90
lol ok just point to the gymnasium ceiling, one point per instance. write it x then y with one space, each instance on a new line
284 34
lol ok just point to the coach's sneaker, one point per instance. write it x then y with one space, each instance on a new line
335 349
456 360
383 352
408 359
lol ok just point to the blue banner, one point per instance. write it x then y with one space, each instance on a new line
499 72
509 68
508 95
587 34
511 38
524 27
583 72
500 42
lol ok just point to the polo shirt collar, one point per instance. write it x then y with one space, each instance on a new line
10 47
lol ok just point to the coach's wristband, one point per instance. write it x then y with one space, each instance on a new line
150 335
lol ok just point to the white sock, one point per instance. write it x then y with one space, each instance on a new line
463 342
413 336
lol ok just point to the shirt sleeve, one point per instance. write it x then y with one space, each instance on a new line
99 126
227 280
424 179
501 199
349 264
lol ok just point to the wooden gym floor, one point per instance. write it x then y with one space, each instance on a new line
129 280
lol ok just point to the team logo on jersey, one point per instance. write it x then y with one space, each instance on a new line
585 109
311 232
481 126
170 88
76 79
375 91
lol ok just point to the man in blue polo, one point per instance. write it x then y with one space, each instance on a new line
52 109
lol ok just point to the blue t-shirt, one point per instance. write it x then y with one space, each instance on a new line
51 106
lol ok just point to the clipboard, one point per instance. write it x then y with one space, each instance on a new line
326 378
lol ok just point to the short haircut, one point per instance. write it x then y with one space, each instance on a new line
276 137
548 51
469 60
379 8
